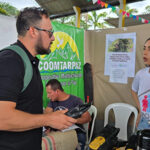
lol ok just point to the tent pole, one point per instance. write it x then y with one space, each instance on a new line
122 17
78 13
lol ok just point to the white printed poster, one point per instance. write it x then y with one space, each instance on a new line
120 53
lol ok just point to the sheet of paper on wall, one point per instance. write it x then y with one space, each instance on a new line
118 75
120 51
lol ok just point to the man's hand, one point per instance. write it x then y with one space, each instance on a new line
59 120
12 119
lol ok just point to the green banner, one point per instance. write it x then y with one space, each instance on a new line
66 60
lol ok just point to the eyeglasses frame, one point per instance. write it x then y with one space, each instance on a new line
50 32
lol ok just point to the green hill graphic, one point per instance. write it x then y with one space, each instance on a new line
65 54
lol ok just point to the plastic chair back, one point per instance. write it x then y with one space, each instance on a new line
122 112
92 111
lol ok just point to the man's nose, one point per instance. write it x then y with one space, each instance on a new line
53 38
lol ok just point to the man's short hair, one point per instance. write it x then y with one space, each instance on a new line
55 84
29 16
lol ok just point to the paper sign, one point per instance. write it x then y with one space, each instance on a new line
120 51
118 75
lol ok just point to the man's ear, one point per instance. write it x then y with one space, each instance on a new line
33 32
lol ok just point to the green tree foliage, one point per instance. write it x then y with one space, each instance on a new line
147 8
71 20
2 11
84 23
9 9
94 19
66 20
131 11
87 20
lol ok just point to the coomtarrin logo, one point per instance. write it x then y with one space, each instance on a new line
64 55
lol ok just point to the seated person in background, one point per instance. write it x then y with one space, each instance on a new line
60 100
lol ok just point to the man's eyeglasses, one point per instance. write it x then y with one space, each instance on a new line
50 32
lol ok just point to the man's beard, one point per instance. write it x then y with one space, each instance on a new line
40 49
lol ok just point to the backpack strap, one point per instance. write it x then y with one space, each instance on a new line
27 64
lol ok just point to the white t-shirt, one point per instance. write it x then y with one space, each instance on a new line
141 82
141 85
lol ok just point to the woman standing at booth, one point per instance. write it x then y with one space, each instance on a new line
141 90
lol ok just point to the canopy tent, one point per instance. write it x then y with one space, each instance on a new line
62 8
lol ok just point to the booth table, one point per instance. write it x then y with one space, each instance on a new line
57 140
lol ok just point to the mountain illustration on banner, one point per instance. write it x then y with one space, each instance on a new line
64 47
66 54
